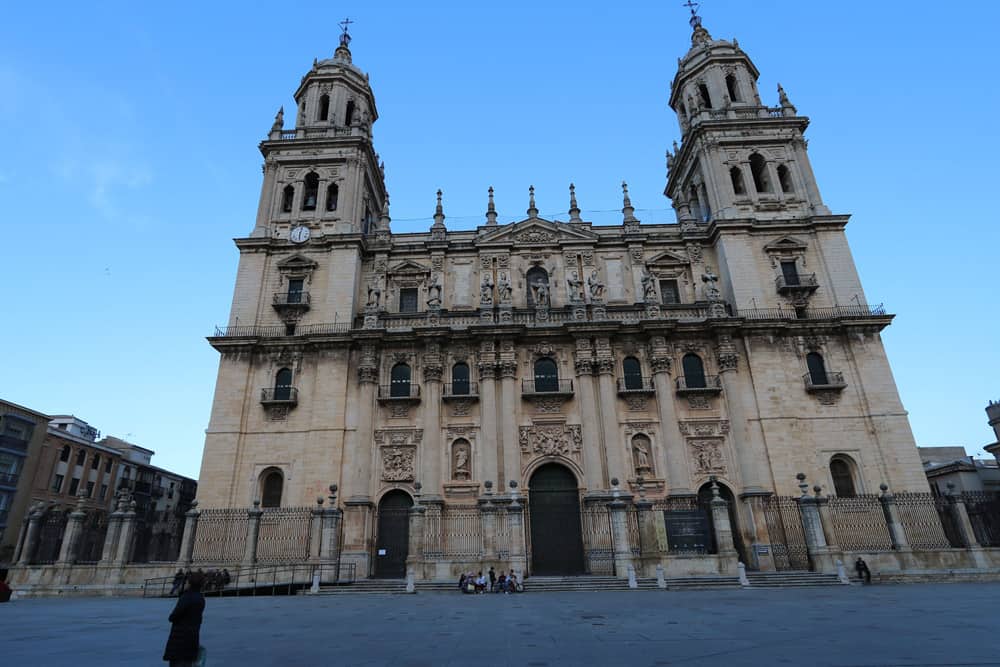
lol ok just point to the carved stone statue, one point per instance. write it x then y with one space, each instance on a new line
486 289
374 292
434 292
596 285
575 286
711 288
641 454
504 289
648 287
541 294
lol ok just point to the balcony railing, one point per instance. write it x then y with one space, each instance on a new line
699 384
10 442
399 392
280 330
300 299
546 386
832 312
9 479
276 395
796 284
635 385
460 390
831 381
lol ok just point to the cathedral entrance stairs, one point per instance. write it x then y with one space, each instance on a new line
792 579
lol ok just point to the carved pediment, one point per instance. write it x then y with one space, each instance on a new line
786 244
536 231
668 258
297 264
409 267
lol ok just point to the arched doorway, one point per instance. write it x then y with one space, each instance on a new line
705 503
554 514
393 537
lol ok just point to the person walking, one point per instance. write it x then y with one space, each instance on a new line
861 567
183 644
493 579
178 583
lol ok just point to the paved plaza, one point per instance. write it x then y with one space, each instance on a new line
880 625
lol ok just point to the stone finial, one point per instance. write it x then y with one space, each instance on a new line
438 213
628 212
256 503
803 484
384 220
817 489
513 490
279 120
532 211
950 485
574 210
333 494
488 484
786 104
319 501
491 210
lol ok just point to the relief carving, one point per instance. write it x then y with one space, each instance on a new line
707 456
397 464
551 440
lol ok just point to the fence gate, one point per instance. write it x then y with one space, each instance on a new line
50 537
784 526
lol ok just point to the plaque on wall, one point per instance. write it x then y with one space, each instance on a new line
687 531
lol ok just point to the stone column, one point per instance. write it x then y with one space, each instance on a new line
316 530
673 442
721 524
488 412
488 523
253 534
515 518
618 509
359 454
820 554
510 400
186 555
613 447
30 542
110 549
650 546
749 447
328 552
896 532
415 551
126 535
967 533
71 536
595 474
431 404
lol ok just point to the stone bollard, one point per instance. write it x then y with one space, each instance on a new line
618 510
30 542
73 533
410 586
632 583
126 535
661 580
315 583
842 573
741 569
186 555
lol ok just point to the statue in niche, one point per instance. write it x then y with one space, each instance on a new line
640 447
596 285
374 293
486 290
648 286
541 293
575 286
434 292
711 288
504 289
461 469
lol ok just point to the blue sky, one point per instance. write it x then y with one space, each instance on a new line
130 162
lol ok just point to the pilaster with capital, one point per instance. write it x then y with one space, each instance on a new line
509 464
614 445
488 406
748 440
72 533
360 420
433 451
660 360
594 462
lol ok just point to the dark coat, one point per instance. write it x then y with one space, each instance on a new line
182 644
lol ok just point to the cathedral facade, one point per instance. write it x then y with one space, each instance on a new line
556 363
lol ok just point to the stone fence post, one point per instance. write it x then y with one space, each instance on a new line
253 535
896 532
723 528
72 533
960 514
110 550
325 538
30 542
186 555
649 542
813 529
126 536
515 518
488 522
618 508
415 551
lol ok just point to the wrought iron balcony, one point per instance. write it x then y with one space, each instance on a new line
9 479
461 390
699 384
296 299
399 391
632 385
852 312
541 387
801 284
829 381
279 396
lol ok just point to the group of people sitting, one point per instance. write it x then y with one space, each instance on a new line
490 582
213 580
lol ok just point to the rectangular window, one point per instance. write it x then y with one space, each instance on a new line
57 483
669 293
74 486
107 466
104 491
295 290
790 273
95 463
408 300
64 454
90 489
81 456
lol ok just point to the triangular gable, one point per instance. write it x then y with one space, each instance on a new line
409 266
785 243
297 263
668 258
536 231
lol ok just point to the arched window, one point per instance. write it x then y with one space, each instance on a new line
632 371
758 167
817 369
684 111
736 175
733 87
399 381
332 193
706 99
311 192
95 463
694 372
349 116
283 385
272 483
843 477
696 203
546 375
324 107
538 286
64 454
287 195
460 378
785 179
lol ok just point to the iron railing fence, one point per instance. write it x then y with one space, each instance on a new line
221 536
461 532
260 580
546 386
783 517
831 312
281 394
461 389
50 537
598 540
921 523
92 533
945 506
693 383
635 383
984 514
399 390
859 523
281 330
283 534
157 541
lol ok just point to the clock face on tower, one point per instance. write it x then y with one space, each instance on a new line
299 235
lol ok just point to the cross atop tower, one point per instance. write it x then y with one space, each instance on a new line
345 38
693 6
